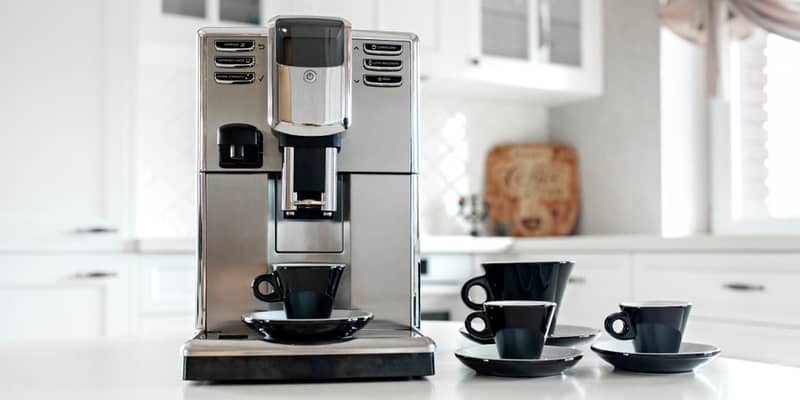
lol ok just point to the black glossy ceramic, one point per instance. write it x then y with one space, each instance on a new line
519 327
622 356
544 281
654 326
564 335
276 326
485 360
307 291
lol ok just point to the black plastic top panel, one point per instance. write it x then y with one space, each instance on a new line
307 42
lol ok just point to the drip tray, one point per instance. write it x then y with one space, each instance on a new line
372 353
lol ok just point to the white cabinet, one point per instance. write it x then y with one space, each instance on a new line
542 50
167 294
747 340
65 295
745 303
752 287
64 79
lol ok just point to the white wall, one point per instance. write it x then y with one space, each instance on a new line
617 136
684 138
456 134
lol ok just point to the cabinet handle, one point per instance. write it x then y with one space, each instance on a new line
94 275
95 230
744 287
576 280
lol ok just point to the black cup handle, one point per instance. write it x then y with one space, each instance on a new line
272 297
628 331
486 333
479 281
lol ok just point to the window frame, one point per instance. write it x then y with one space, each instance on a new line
720 109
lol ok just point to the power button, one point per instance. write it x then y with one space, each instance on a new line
309 76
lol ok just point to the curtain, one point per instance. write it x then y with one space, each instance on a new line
781 17
711 23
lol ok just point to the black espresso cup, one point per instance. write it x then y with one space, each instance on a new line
544 281
654 326
519 327
307 291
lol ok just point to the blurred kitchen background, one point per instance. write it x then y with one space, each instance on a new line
656 149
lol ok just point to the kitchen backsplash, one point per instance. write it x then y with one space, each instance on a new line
165 171
456 135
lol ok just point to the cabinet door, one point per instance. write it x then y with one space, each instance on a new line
448 31
168 284
546 50
757 287
540 31
64 296
168 294
773 344
62 158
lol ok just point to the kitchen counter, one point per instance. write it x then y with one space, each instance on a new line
110 243
151 369
609 243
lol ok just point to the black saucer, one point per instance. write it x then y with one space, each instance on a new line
483 358
564 335
341 325
622 356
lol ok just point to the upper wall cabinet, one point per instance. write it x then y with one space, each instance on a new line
544 50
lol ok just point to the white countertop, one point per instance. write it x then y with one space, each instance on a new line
151 369
438 244
598 243
650 243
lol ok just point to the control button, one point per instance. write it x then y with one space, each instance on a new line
309 76
384 49
235 61
383 80
382 65
234 77
234 45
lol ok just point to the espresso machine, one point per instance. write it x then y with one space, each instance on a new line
307 154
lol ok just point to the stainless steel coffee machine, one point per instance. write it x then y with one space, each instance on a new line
308 153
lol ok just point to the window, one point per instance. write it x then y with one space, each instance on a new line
764 135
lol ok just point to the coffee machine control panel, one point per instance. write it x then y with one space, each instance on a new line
235 89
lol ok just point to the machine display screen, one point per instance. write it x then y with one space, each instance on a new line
303 42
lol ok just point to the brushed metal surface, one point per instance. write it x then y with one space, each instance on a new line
381 246
234 249
222 104
383 135
309 236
